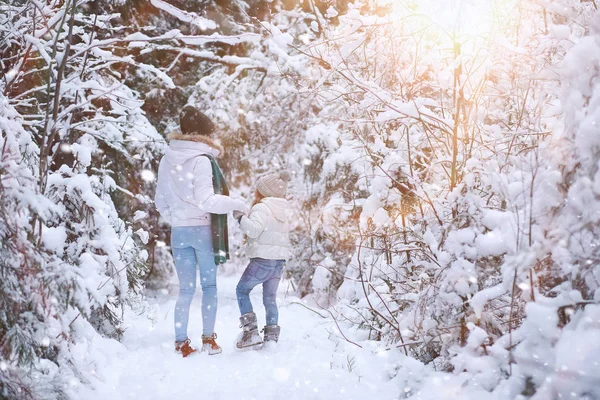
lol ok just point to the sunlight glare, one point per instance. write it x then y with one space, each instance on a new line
455 18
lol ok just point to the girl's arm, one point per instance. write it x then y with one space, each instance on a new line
254 224
204 192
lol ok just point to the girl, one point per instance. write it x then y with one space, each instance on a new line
267 228
192 196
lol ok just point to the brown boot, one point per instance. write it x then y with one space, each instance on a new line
210 345
184 348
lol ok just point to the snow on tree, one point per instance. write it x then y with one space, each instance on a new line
445 162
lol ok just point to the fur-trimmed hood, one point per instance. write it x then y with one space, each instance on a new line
197 139
181 151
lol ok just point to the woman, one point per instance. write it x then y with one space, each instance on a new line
192 196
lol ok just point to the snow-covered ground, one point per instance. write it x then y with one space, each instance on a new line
309 362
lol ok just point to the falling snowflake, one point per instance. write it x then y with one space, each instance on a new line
148 175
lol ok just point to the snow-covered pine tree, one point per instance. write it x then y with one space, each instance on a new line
65 104
23 293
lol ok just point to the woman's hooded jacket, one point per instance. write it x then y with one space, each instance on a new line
184 192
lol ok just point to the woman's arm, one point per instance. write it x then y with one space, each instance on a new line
160 200
204 192
254 224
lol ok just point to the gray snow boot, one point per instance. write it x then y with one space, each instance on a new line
272 333
249 337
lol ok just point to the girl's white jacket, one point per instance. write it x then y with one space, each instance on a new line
268 229
184 191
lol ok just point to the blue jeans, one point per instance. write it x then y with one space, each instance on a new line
267 272
192 246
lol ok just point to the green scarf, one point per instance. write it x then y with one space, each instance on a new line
219 221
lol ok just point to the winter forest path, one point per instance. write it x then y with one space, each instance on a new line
306 364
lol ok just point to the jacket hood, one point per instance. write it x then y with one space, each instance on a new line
180 151
279 207
178 136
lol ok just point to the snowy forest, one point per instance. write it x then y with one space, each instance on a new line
445 182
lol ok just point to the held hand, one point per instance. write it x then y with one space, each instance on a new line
240 205
238 214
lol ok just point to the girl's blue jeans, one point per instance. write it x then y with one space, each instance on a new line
192 250
267 272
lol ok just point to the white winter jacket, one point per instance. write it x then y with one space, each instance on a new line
184 191
267 227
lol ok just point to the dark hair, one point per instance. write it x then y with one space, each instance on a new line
194 122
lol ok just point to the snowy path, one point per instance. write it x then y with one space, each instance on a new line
306 364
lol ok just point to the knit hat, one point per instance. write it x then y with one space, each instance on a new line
274 185
194 122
